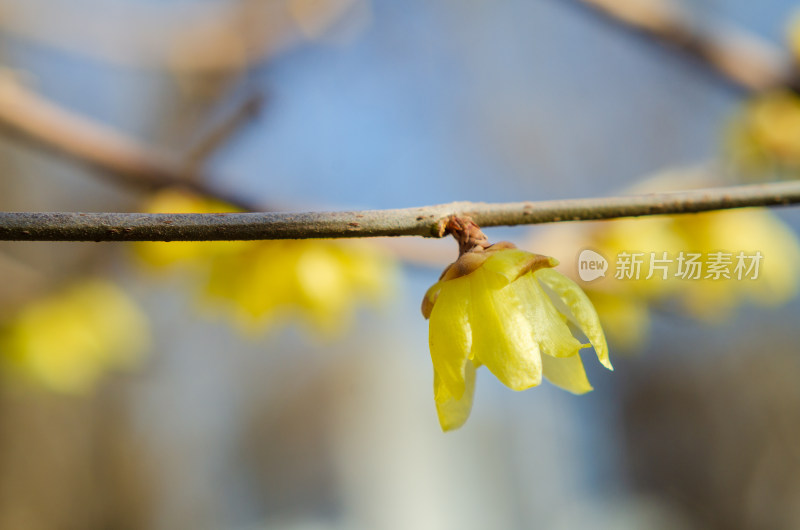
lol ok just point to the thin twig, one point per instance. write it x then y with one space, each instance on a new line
743 58
220 132
117 156
427 221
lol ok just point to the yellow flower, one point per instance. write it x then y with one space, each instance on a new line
257 283
492 307
765 134
625 302
68 340
161 255
747 230
319 281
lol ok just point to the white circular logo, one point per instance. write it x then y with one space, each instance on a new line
591 265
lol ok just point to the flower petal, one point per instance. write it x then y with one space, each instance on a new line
550 330
511 263
450 337
453 413
582 310
430 298
567 373
464 265
502 333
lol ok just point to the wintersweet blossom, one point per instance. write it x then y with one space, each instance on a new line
318 282
161 255
764 136
509 310
69 339
256 284
626 305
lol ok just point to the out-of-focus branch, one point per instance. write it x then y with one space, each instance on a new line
220 132
429 221
741 57
33 118
186 38
190 38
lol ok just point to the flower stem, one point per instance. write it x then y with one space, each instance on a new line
469 235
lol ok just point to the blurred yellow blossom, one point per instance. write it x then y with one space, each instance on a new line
320 281
493 307
730 232
733 231
764 136
625 318
664 244
70 339
256 283
162 255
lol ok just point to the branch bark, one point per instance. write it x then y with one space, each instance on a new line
426 221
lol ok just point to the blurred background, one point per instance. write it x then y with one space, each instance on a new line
287 385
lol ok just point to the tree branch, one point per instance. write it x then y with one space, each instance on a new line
743 58
424 221
118 157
